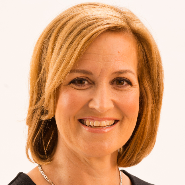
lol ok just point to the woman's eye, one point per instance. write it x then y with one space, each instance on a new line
80 82
120 82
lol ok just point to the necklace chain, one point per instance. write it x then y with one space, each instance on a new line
120 176
44 175
48 180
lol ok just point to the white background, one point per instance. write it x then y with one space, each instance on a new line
21 23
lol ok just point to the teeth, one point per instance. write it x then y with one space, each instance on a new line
103 123
110 123
96 123
93 123
87 122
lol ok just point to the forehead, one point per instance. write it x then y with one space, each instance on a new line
110 42
113 49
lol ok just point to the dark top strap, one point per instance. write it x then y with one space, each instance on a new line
23 179
135 180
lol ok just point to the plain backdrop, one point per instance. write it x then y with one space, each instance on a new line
21 23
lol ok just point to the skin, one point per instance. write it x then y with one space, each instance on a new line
103 84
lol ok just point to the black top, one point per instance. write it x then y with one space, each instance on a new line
23 179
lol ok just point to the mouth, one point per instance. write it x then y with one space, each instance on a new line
98 124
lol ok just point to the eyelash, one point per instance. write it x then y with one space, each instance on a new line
84 86
79 79
123 80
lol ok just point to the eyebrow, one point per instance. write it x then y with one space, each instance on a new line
80 71
90 73
124 71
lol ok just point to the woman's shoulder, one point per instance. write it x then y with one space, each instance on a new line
22 179
135 180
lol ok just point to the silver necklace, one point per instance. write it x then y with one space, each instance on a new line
48 180
43 174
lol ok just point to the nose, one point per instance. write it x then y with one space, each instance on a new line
102 99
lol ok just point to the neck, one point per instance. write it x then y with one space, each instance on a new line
70 167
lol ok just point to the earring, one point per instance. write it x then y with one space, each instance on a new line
120 150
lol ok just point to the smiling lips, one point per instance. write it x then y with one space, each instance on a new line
98 124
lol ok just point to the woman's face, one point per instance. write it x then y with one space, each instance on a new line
98 102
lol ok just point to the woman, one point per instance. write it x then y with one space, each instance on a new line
96 86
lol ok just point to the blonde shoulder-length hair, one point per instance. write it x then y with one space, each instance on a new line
60 45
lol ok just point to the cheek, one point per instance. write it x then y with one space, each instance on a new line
130 104
70 102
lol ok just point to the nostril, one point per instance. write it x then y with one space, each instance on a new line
101 107
101 102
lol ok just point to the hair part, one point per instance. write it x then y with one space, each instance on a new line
60 45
